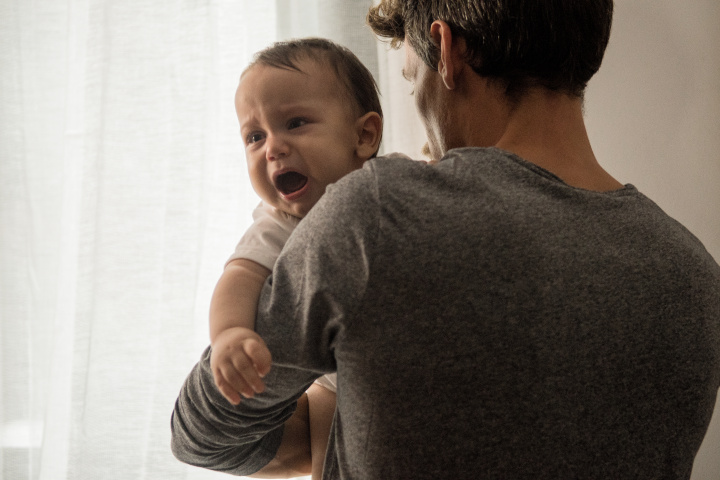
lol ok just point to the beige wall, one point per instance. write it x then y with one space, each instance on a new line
653 110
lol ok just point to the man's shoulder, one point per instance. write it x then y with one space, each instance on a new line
377 173
395 162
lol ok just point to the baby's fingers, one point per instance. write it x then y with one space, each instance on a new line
243 376
260 356
239 376
227 391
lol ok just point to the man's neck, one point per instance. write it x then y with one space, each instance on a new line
548 129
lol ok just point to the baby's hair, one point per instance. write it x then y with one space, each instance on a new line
355 77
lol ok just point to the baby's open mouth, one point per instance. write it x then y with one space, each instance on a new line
290 182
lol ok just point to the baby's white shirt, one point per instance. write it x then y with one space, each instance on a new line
264 239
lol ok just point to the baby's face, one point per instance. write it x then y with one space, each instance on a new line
299 131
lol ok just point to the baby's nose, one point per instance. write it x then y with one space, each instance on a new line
276 147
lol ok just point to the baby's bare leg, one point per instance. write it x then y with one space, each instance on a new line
321 406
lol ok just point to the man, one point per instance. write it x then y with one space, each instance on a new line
512 311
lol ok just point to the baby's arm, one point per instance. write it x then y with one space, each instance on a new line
239 357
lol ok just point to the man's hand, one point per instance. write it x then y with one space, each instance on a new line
239 360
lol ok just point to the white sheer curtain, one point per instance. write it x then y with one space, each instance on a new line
123 189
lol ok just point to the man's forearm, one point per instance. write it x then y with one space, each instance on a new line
293 458
209 432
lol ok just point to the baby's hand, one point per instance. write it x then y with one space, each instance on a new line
239 360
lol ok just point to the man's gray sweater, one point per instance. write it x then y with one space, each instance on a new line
486 320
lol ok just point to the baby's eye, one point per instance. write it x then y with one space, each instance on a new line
253 137
296 122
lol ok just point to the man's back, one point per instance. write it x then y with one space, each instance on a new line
485 320
505 324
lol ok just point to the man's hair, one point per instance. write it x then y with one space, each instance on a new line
354 76
556 44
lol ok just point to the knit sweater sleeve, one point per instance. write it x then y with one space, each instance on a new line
209 432
315 287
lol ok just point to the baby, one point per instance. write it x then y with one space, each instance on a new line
309 114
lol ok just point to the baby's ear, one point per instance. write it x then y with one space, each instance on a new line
369 129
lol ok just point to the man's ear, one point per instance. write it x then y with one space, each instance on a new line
369 129
451 52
